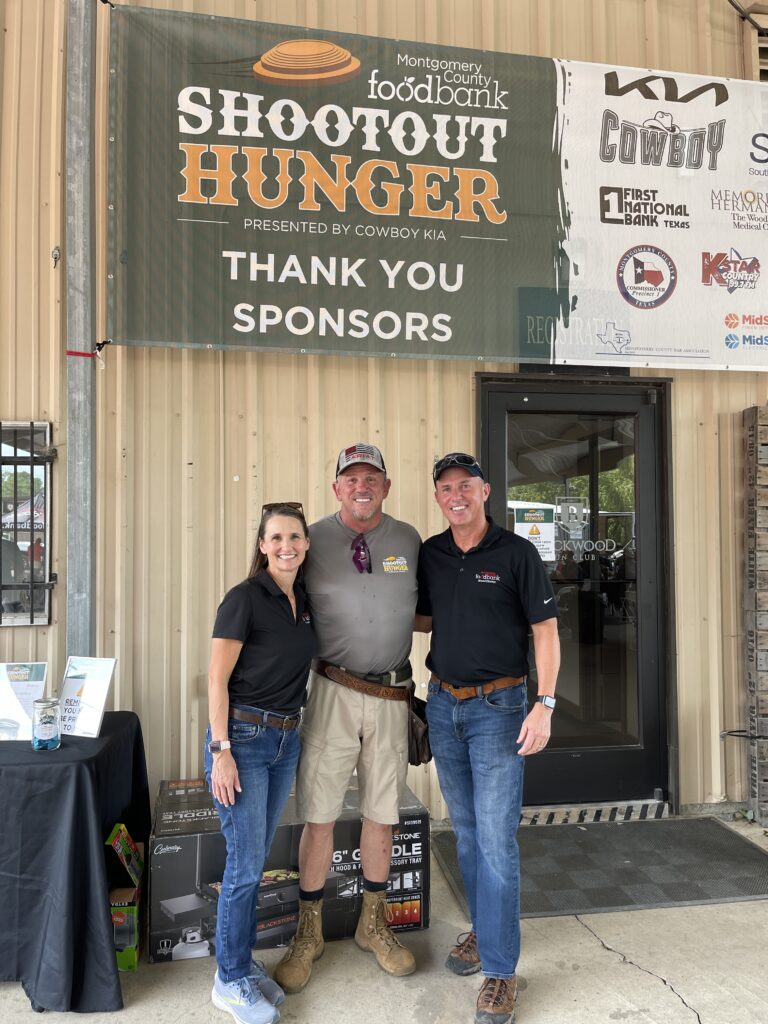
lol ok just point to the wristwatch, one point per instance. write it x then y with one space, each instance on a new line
547 701
216 746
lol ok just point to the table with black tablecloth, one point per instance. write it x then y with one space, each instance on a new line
58 808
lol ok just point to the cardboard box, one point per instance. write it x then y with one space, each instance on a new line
186 864
125 901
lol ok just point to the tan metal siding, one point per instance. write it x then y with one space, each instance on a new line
191 443
31 291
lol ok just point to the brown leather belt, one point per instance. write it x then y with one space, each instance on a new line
344 678
266 718
482 690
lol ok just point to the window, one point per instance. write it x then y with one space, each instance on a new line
25 527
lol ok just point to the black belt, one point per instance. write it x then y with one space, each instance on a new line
266 718
397 675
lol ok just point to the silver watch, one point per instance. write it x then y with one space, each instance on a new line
216 746
547 701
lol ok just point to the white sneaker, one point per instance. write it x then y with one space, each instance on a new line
244 1000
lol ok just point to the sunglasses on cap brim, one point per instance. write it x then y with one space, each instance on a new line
458 459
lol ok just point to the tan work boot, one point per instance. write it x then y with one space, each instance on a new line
293 971
374 935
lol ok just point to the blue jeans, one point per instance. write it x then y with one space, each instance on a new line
481 777
266 761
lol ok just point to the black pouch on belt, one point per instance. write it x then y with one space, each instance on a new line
419 751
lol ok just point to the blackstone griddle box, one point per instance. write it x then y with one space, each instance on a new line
186 865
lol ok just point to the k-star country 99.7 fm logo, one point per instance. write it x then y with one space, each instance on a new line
730 270
646 276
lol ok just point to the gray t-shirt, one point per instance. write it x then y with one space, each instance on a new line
363 621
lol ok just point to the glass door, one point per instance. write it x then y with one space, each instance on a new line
577 473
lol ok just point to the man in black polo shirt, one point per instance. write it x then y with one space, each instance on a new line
482 589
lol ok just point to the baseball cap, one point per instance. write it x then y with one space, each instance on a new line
360 452
459 460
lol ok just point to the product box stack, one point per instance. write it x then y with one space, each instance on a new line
186 864
756 605
125 900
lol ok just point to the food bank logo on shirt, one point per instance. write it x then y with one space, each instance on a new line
395 563
486 576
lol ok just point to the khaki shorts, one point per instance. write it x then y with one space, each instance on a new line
343 730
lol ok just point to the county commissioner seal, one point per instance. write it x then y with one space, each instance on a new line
646 276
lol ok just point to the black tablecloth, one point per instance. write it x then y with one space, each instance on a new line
58 807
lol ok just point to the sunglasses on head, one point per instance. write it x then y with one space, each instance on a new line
361 554
455 459
291 506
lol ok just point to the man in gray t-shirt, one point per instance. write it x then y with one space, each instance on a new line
361 584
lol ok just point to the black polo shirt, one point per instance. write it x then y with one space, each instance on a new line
272 670
482 603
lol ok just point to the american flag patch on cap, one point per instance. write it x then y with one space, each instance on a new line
366 453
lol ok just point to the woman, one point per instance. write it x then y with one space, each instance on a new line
261 650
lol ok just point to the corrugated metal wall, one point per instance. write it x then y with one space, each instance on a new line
191 443
32 292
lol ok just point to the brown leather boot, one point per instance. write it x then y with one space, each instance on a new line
374 935
294 970
496 1001
464 958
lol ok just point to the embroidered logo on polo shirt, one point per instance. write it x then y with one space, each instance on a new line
487 577
307 621
395 563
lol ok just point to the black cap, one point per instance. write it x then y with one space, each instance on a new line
457 460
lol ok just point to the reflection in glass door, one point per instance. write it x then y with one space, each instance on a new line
571 491
577 472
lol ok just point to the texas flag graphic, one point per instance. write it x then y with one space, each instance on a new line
647 273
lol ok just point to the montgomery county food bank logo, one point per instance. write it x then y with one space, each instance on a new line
306 62
646 276
640 207
730 270
487 576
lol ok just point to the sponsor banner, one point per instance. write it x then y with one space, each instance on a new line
293 189
666 186
306 191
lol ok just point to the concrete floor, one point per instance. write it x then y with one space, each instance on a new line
706 964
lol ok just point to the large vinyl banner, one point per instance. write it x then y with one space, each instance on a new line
305 191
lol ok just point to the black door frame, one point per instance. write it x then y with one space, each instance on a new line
656 391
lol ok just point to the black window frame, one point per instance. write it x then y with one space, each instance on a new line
26 602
